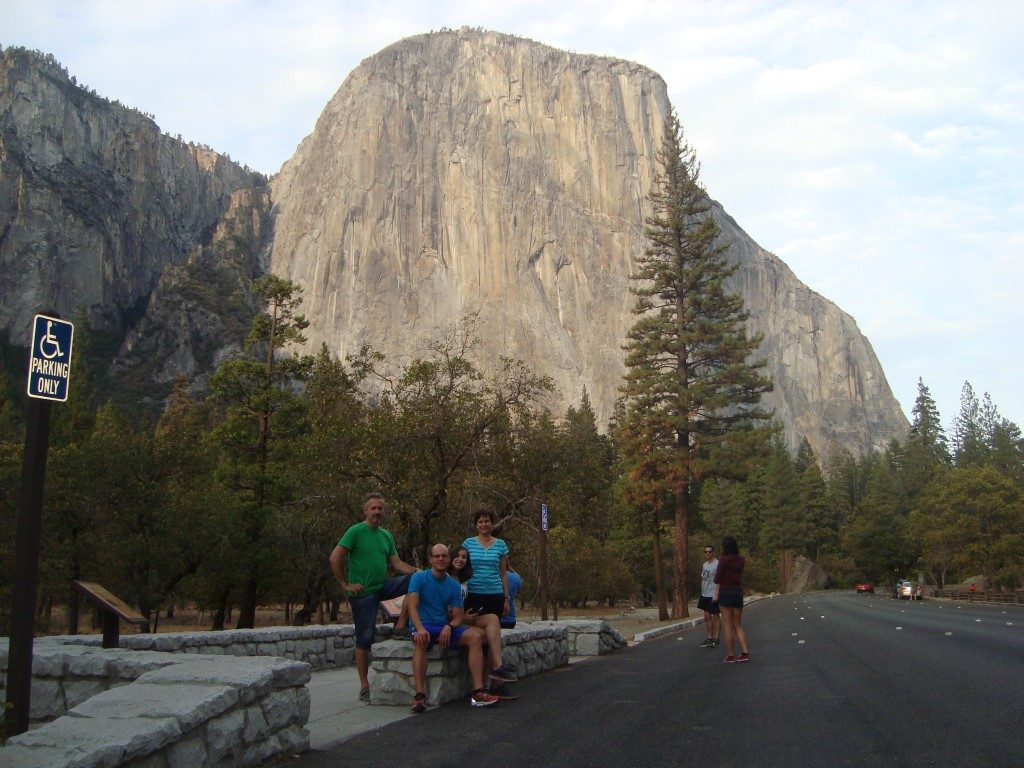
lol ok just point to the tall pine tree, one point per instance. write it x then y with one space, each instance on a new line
262 411
689 380
926 451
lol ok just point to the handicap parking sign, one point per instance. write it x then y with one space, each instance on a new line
49 366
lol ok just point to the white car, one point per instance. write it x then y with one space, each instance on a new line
909 590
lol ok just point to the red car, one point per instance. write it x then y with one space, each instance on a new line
865 587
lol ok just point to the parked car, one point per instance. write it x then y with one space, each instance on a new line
864 587
908 590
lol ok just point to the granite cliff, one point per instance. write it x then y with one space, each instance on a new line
466 172
455 173
97 207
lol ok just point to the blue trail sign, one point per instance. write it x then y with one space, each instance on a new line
49 366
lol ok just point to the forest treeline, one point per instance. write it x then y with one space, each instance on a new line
235 498
235 494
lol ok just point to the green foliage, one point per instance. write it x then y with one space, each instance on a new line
13 361
972 518
584 569
237 498
10 485
263 416
438 430
690 389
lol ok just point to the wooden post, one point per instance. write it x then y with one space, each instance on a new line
111 629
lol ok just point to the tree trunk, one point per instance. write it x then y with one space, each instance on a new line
73 611
680 553
659 582
247 607
220 615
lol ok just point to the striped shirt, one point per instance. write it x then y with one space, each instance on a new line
486 566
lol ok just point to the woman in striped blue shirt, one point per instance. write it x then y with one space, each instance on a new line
488 587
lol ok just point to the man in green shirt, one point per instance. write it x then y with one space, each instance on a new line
367 550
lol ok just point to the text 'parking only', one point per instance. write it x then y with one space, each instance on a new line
49 365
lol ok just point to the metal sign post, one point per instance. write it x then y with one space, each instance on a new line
49 372
544 562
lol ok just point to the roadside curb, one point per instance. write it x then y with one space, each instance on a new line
669 629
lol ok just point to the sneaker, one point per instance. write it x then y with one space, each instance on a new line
364 695
708 643
714 643
743 657
504 693
729 659
482 698
419 703
503 674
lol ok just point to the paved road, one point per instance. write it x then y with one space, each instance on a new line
837 679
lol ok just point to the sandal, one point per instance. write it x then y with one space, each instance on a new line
419 703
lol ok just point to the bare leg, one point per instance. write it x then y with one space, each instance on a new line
363 668
709 625
473 640
716 625
403 617
727 625
492 631
419 668
738 629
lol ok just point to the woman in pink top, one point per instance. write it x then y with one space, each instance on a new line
730 598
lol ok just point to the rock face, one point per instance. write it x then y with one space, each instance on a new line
95 203
454 174
468 172
806 575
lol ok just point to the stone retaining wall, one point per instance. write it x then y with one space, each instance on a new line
318 646
177 713
528 648
587 637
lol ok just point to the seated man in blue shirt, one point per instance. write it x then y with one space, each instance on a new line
433 596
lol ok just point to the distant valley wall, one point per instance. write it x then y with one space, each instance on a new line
95 203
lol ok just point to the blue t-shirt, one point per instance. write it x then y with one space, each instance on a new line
515 582
436 596
486 566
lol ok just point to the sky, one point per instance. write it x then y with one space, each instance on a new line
876 147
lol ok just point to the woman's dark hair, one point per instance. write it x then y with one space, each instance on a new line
467 570
482 513
729 546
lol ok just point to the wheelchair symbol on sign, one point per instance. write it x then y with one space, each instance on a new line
49 342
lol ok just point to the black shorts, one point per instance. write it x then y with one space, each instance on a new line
708 604
730 598
482 604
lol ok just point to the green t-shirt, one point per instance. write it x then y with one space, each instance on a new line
369 550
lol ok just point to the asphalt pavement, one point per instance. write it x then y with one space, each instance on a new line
836 679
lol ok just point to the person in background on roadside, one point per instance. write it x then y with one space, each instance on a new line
515 583
436 613
360 564
728 577
708 601
488 587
